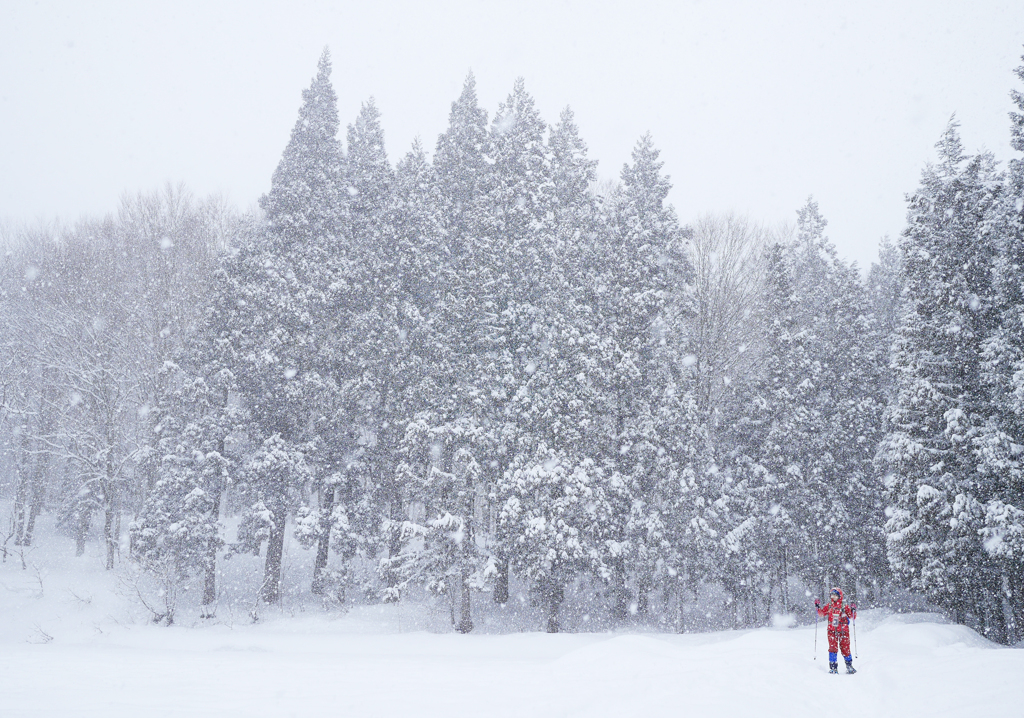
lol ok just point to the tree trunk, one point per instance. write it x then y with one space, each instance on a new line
554 596
111 505
620 592
396 515
1011 601
466 619
324 542
21 495
997 615
82 529
108 534
117 527
20 499
501 581
30 527
784 582
275 550
453 597
210 577
643 600
111 516
36 505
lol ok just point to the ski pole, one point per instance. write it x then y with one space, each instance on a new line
855 639
815 633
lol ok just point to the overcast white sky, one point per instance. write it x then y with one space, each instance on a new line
754 105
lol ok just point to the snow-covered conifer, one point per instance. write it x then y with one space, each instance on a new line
940 409
443 547
549 508
641 248
276 299
368 177
303 201
999 444
176 535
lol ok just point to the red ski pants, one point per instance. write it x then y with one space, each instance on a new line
840 639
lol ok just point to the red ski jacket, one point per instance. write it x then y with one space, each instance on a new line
838 615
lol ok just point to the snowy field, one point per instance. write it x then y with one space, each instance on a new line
73 652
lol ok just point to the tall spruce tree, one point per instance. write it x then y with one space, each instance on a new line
462 170
834 312
639 246
515 259
279 291
368 180
936 493
999 444
304 201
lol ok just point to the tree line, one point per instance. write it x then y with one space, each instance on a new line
484 367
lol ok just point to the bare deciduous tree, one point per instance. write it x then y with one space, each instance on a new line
727 253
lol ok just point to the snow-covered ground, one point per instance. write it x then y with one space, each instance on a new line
74 643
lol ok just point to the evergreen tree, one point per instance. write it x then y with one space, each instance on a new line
303 201
514 252
278 293
368 178
462 171
886 291
443 551
638 250
441 449
464 308
383 223
937 496
834 309
679 538
177 533
999 444
270 482
572 174
547 517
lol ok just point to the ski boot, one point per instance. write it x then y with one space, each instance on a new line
833 667
849 667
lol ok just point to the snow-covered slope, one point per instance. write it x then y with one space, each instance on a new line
90 653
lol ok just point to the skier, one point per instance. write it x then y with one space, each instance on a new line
838 617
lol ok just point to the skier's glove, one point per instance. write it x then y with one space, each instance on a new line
853 606
817 603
